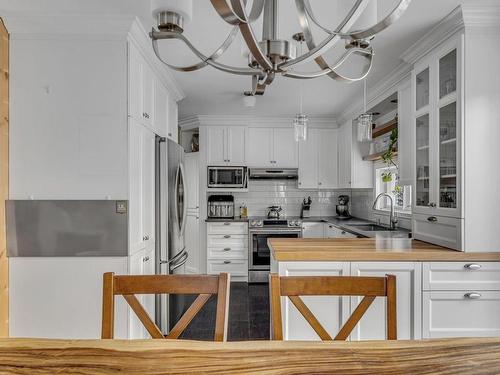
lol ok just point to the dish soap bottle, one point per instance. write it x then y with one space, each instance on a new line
243 211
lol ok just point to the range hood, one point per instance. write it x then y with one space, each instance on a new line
274 173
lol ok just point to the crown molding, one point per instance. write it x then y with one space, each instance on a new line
190 122
445 28
31 26
481 16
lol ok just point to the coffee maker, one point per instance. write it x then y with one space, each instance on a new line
343 207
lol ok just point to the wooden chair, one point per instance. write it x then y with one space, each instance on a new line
295 286
128 286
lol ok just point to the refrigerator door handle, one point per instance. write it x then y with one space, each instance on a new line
181 262
184 205
175 258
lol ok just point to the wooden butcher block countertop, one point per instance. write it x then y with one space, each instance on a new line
368 249
449 356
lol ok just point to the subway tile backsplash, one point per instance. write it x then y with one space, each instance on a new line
265 193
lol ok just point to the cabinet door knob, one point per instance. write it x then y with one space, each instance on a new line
145 259
227 249
432 219
227 262
226 223
472 295
145 238
227 236
432 204
319 183
473 266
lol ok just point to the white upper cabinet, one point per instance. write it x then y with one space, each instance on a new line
173 120
285 148
327 159
437 132
135 83
318 160
226 146
235 145
308 161
148 83
161 108
272 147
148 186
259 147
354 172
405 125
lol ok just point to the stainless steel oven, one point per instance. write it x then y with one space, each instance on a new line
227 177
259 255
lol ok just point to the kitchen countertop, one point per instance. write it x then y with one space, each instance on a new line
437 356
367 249
236 219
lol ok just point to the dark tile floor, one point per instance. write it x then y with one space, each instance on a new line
248 315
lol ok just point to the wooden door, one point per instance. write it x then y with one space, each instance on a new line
285 148
308 161
259 147
235 138
4 177
328 176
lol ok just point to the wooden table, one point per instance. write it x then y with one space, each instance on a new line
368 249
451 356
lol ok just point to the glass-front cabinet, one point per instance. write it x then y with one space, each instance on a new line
437 125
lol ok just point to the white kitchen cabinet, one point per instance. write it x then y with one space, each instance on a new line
226 145
331 311
272 147
227 249
460 313
135 83
161 108
192 242
285 148
405 126
173 120
192 169
148 84
141 186
372 325
308 161
331 231
353 172
327 159
437 135
318 160
313 230
461 275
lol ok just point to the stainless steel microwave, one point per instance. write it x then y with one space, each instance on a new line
227 177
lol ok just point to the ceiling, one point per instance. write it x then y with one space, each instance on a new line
211 92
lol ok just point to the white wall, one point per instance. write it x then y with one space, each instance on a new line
68 115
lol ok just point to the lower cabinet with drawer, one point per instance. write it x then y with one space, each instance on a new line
439 230
227 249
460 299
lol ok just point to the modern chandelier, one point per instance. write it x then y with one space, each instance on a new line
272 56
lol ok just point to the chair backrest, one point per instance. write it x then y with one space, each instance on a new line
128 286
295 286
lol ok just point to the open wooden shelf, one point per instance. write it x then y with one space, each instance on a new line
378 155
385 128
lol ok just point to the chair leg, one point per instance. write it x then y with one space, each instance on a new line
108 306
392 326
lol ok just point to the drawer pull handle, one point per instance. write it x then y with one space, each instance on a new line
432 219
472 295
227 223
227 262
432 204
227 236
227 249
473 266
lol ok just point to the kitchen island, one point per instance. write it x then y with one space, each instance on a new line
440 292
30 356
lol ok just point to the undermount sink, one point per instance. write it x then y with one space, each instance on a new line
370 227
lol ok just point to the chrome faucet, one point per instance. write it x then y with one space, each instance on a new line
393 220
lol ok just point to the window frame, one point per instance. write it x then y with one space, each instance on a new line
382 205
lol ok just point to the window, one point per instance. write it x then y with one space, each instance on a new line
387 182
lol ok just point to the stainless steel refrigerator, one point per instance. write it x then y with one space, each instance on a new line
170 252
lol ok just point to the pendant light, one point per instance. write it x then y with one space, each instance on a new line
300 121
364 121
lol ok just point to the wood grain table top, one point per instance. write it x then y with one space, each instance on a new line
368 249
450 356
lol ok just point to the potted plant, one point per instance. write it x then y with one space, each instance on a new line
388 156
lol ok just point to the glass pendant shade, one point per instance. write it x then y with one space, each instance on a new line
300 127
365 127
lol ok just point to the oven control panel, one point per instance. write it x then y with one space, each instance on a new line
295 224
275 223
